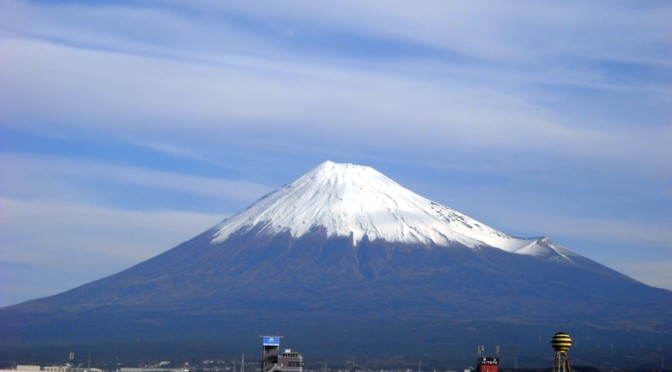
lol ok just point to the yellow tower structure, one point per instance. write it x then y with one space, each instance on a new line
561 343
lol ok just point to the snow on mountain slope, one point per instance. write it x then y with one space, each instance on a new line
356 201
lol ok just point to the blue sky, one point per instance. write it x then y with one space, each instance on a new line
127 127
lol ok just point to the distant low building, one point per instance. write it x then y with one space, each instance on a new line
274 361
290 361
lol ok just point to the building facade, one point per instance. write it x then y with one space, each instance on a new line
274 361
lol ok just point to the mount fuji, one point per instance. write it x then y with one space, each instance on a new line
349 263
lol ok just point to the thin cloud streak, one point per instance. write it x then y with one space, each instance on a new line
63 179
593 230
654 273
355 102
51 237
494 31
98 233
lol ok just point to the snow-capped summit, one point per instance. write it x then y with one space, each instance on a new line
358 201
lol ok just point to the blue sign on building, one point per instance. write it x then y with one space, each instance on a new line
271 341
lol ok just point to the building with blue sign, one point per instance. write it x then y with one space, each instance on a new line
274 361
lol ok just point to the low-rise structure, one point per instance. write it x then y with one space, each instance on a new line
274 361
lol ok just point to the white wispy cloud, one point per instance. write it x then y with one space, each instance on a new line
59 178
53 234
66 244
58 228
178 98
653 273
